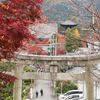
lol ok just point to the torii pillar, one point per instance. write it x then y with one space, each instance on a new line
53 73
89 81
18 83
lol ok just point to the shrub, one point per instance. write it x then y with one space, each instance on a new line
28 69
58 90
66 86
57 82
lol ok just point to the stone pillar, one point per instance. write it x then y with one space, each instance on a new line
89 82
18 83
53 74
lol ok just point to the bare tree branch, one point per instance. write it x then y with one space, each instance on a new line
86 9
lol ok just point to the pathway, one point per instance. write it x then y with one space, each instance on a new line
47 90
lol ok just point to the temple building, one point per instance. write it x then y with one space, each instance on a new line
66 24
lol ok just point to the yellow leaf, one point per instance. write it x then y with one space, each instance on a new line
2 37
76 33
16 13
7 7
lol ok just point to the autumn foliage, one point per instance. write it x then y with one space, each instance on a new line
7 78
37 41
15 18
60 52
34 48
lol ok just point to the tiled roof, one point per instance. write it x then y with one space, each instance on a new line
68 22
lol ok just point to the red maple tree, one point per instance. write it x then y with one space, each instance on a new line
15 18
36 50
60 51
37 41
33 49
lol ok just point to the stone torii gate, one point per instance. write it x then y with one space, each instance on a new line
53 62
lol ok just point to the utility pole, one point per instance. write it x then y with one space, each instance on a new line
50 46
56 46
56 42
53 45
61 88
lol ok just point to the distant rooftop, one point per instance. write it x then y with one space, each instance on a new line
68 22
